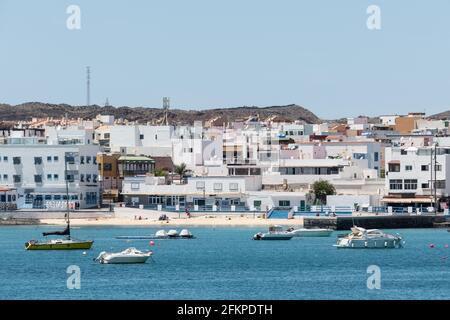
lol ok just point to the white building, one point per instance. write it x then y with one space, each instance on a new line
36 171
412 178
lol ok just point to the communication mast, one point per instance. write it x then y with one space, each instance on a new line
88 86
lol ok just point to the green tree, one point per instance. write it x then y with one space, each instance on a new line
322 189
160 173
181 171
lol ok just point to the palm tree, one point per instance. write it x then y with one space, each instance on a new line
160 173
181 171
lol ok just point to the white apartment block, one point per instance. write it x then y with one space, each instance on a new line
412 175
36 171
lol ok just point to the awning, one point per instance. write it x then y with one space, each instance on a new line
407 200
394 162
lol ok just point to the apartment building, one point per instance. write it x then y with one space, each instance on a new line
37 172
415 174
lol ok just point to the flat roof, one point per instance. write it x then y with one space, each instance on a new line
135 158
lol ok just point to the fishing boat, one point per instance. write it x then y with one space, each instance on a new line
275 233
361 238
128 256
316 232
67 243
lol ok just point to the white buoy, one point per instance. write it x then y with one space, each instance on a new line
84 253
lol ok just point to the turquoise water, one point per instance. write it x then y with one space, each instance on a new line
224 263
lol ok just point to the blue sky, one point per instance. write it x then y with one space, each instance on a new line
206 54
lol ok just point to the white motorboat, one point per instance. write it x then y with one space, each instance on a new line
185 233
130 255
161 234
275 233
361 238
317 232
172 233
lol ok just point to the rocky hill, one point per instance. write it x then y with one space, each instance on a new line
441 116
29 110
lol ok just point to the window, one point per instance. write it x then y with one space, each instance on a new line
37 160
106 136
37 178
5 177
234 186
440 184
81 159
57 197
48 197
88 159
403 152
16 160
16 178
5 158
94 160
200 185
284 203
70 159
70 178
410 184
375 156
82 177
107 166
396 184
408 168
49 158
55 176
425 185
217 187
424 167
55 158
359 156
135 186
187 150
88 178
94 178
438 167
49 177
394 167
141 136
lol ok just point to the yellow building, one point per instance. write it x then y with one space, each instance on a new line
110 179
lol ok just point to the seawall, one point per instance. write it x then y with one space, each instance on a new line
375 222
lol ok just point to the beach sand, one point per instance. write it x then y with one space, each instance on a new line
195 221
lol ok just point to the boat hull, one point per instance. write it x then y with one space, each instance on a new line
81 245
369 244
267 236
125 260
311 233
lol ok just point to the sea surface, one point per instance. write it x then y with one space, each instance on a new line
225 263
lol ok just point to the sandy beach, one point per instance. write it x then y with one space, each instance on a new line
197 221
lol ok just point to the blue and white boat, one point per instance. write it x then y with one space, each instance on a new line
275 233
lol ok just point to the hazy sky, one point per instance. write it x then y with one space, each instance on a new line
206 53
